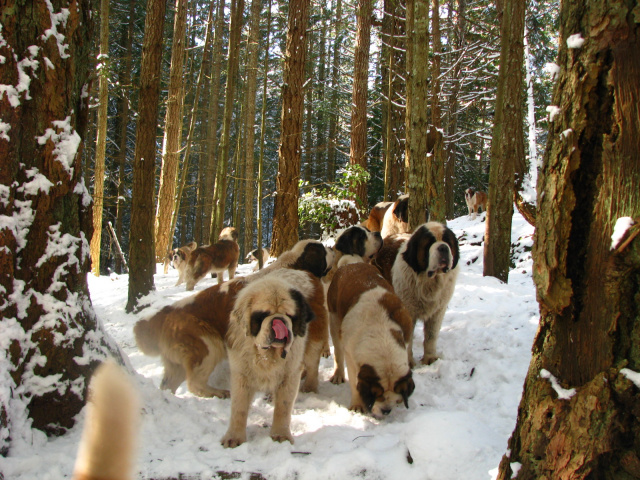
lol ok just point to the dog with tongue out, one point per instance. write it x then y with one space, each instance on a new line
265 343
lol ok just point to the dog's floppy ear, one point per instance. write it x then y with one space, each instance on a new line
401 209
450 238
304 313
369 385
352 241
405 387
313 259
192 246
417 253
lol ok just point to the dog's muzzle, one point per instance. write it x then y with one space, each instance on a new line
279 334
443 261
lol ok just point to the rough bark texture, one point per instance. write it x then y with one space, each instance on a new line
250 127
220 188
142 264
393 36
332 151
285 213
172 136
421 183
506 142
46 319
588 289
125 83
101 140
358 149
212 133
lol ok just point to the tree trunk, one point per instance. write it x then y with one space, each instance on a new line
587 283
452 115
507 142
420 183
358 150
250 112
285 215
394 39
212 134
332 149
50 337
101 141
142 264
172 135
220 188
125 83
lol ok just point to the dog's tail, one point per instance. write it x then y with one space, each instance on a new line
147 333
107 448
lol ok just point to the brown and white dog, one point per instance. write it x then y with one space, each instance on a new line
178 259
189 335
396 218
376 216
422 267
371 330
475 200
108 445
251 257
313 257
266 343
215 258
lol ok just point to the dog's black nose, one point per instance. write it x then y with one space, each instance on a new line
443 249
386 411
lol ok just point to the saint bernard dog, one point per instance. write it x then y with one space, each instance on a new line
371 331
314 257
266 344
252 257
422 267
396 218
215 258
108 444
376 216
189 335
178 259
475 200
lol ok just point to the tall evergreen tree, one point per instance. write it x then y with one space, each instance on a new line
141 239
587 282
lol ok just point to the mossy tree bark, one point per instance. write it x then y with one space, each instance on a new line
50 337
588 289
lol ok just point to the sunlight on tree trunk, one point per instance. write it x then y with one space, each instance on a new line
587 260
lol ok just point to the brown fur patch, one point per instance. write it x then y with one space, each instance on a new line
376 215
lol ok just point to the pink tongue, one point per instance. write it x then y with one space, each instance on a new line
280 329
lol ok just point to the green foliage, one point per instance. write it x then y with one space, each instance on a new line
321 205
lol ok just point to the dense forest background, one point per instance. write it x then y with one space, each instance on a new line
469 53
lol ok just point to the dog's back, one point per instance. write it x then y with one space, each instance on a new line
107 448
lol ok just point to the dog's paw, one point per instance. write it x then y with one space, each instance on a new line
282 437
337 378
232 441
326 351
429 359
309 387
358 408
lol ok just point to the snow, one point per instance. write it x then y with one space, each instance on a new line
622 225
553 111
632 376
459 418
563 393
575 40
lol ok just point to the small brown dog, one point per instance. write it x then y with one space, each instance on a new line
475 200
215 258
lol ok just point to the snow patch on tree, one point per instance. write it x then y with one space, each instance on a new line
575 40
563 393
623 224
57 19
66 141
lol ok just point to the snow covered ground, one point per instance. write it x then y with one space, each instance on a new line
456 428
